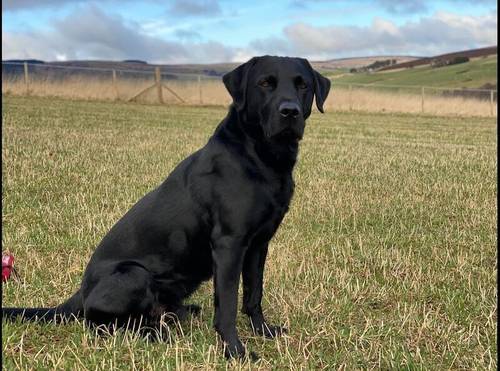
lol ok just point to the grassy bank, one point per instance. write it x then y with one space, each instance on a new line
386 260
472 74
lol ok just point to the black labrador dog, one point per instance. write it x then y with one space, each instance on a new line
214 215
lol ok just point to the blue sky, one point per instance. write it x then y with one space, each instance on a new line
208 31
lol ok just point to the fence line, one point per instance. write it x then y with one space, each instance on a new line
204 76
198 88
42 65
26 78
375 85
464 91
159 84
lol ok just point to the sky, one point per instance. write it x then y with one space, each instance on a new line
212 31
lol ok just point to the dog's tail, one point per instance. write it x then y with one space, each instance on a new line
71 309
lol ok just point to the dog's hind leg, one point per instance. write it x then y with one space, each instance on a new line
125 297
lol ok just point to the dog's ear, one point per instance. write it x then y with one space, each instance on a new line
321 86
321 89
236 82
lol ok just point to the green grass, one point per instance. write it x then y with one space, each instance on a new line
472 74
334 73
386 259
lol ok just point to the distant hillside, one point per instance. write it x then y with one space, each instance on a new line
131 66
474 75
477 73
472 53
356 62
217 69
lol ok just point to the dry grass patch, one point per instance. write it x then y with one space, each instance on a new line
213 92
391 100
386 260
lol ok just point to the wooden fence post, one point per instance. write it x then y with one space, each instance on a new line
199 88
423 99
115 87
159 88
26 78
491 102
158 84
350 97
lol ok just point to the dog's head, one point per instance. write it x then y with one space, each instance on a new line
274 95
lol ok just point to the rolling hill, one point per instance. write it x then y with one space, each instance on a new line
355 62
477 73
480 71
216 69
471 53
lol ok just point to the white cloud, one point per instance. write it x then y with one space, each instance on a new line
89 33
28 45
431 35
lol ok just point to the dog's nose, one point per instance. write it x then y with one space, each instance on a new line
289 109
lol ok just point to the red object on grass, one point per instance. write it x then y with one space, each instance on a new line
7 266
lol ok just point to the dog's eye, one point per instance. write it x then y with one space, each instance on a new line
265 83
301 84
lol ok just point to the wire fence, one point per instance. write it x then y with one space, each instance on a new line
149 84
142 85
415 99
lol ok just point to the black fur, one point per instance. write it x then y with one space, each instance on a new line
214 215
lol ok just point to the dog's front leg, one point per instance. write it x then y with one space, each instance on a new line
253 275
227 254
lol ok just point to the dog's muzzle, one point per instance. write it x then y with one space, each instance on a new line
289 110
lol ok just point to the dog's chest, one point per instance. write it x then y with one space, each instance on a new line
282 192
277 200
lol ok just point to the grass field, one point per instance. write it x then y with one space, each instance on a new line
473 74
386 259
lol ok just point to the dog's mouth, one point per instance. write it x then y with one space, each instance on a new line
287 135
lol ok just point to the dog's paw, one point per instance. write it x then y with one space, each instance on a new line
270 331
236 350
240 353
